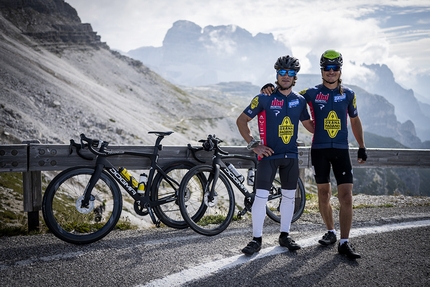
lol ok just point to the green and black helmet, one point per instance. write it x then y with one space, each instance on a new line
331 57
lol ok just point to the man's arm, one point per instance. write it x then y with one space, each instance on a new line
267 89
309 125
242 125
357 130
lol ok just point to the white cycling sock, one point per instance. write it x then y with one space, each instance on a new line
259 211
287 208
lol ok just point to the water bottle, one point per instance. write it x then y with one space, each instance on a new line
251 176
143 179
236 172
128 177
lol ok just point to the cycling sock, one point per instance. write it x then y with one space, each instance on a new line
287 208
259 211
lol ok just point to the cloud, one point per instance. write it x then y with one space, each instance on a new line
360 30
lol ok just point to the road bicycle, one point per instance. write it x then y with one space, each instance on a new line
206 198
83 204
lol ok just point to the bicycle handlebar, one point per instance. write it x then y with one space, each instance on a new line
209 144
96 147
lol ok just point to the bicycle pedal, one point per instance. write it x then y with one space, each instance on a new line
242 212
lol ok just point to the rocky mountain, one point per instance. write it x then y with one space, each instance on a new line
196 56
408 108
58 80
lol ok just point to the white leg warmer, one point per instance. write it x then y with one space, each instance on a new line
259 212
287 208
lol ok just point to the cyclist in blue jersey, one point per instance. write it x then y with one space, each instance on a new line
278 120
330 104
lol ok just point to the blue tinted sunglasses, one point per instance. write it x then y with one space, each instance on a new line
291 73
332 67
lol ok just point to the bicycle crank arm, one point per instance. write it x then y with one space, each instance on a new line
152 215
242 212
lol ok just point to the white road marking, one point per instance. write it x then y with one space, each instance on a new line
210 268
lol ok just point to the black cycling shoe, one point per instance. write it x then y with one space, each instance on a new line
328 239
251 248
348 250
286 241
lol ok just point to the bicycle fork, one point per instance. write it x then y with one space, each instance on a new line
85 203
210 194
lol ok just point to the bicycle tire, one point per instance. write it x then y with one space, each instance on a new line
272 207
205 216
169 213
71 223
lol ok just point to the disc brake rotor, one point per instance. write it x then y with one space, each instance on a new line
87 209
212 202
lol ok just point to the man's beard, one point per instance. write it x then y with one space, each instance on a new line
282 88
331 83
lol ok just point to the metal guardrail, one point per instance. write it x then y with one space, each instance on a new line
31 158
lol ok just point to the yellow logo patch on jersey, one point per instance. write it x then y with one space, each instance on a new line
254 102
286 130
332 124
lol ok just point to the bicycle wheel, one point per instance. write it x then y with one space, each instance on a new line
273 204
67 219
169 213
205 214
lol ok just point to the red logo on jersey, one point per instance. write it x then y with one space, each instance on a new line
321 97
277 104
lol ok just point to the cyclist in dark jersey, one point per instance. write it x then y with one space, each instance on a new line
278 119
330 104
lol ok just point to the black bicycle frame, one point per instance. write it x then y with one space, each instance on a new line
218 164
103 163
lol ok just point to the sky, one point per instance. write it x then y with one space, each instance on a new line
395 33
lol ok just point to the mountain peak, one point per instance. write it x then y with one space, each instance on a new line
53 23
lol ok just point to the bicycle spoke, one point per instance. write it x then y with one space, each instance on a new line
207 209
68 219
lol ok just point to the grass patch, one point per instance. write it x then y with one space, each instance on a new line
12 230
125 224
211 219
358 206
386 205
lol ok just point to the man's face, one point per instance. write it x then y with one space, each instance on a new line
331 73
286 78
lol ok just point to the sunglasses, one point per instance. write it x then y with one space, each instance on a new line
291 73
332 67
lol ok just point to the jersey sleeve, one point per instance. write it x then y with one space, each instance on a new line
254 107
352 106
304 116
305 94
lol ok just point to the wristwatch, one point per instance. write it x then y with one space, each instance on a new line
253 144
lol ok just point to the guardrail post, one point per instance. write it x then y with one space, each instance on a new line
32 188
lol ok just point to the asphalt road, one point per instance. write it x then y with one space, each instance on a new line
393 243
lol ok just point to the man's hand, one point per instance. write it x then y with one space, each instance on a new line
362 155
263 151
267 89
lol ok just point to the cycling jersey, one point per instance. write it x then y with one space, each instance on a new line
330 112
278 120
